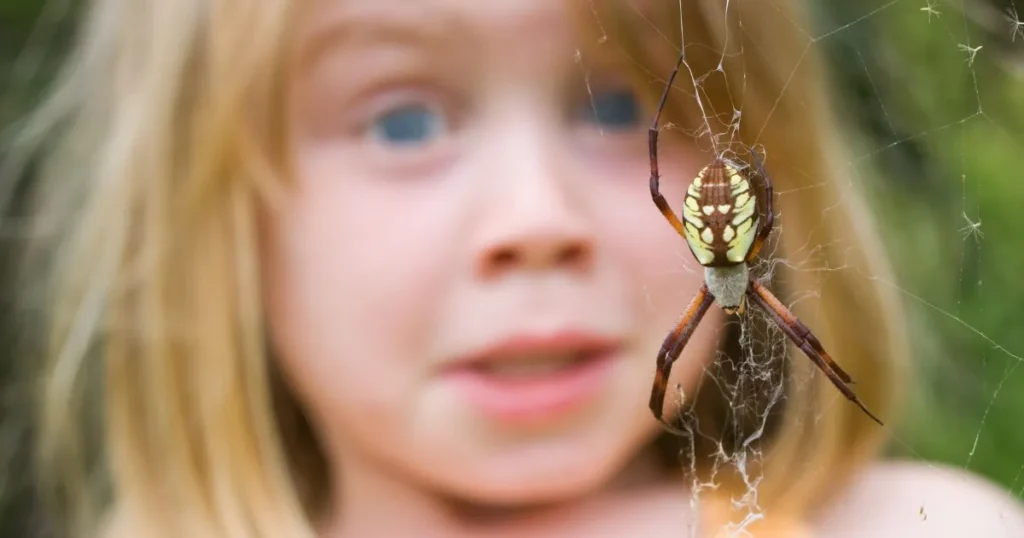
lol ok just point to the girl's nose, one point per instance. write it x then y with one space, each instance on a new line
534 218
536 250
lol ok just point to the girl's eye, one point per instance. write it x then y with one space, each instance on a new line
613 109
408 125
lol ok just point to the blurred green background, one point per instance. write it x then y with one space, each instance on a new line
933 93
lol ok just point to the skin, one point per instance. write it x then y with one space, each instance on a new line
392 261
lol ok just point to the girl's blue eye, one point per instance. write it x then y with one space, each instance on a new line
408 125
617 109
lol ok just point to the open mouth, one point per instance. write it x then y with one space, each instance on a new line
526 367
516 383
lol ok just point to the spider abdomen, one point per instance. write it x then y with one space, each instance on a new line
720 215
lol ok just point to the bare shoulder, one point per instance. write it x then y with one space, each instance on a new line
909 499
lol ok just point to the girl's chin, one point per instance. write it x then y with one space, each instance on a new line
528 490
534 472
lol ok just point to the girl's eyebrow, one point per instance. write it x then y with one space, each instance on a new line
368 26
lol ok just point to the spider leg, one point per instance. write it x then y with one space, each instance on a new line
805 340
775 307
652 139
673 346
769 218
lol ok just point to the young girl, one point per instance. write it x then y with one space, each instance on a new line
381 268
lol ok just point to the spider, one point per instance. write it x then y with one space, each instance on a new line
722 227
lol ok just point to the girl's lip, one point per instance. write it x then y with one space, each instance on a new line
541 396
564 341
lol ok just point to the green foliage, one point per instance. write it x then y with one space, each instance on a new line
18 11
24 70
941 126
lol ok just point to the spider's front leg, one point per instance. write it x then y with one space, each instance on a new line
652 141
805 340
673 346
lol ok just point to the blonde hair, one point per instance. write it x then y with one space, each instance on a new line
161 412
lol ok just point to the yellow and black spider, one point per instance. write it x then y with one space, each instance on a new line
724 231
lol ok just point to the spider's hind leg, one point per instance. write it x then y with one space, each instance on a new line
800 335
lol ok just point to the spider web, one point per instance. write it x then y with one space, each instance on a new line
934 164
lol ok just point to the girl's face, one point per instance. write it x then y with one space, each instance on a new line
470 284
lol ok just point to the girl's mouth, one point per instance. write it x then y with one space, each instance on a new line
531 366
526 379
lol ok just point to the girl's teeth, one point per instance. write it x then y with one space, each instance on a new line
532 366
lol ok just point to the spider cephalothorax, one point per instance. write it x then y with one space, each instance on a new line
722 226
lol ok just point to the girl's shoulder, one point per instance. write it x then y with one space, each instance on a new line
908 499
904 499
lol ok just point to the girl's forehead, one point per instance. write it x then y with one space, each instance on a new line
478 19
397 17
522 36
